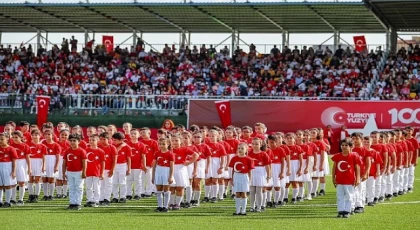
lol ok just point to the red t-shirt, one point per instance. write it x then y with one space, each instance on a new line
217 150
305 149
22 150
137 151
398 152
53 148
123 153
64 146
321 147
278 155
405 149
260 159
295 151
110 154
242 164
203 150
228 148
94 157
152 147
37 150
83 144
234 144
191 153
181 154
164 159
374 159
382 150
27 137
7 154
345 170
363 154
391 149
416 146
74 159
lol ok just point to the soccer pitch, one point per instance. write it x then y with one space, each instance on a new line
400 213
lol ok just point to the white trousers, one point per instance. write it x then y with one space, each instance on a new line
345 195
75 182
93 189
396 181
383 185
401 179
360 195
134 179
370 189
405 178
378 186
411 176
106 187
119 181
146 178
389 184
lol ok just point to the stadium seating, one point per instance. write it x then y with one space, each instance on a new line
139 78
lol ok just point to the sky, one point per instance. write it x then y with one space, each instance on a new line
373 40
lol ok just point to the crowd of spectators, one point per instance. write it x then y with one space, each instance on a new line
64 72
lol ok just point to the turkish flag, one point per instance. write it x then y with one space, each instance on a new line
360 43
108 42
223 108
43 103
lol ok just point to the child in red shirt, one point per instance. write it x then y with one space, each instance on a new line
345 175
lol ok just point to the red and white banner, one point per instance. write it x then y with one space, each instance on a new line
360 43
290 116
223 109
281 115
43 104
108 42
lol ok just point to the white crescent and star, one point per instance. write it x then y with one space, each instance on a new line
341 169
42 102
87 157
68 157
235 166
328 117
360 43
222 108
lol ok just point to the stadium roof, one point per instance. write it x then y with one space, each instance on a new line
294 17
402 15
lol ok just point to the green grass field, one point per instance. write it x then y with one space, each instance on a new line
400 213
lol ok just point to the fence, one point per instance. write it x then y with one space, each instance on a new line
260 48
126 105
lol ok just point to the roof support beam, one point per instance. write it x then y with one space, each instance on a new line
55 16
321 17
160 17
213 18
267 18
377 14
107 17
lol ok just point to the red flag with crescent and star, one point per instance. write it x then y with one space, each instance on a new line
43 104
223 109
360 43
108 42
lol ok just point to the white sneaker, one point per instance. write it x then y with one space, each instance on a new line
309 197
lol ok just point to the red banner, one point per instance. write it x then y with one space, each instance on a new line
360 43
43 104
108 42
281 115
223 109
289 116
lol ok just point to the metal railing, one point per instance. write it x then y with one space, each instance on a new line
260 48
131 105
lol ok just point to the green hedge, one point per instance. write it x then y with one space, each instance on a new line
85 121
